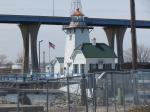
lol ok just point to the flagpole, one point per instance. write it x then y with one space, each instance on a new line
47 96
53 46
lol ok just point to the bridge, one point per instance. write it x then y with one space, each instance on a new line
29 27
56 20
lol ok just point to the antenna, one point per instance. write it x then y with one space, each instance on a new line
53 7
75 4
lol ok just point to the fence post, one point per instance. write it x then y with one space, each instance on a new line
83 87
114 79
123 81
135 90
18 95
24 76
68 93
94 93
106 93
145 102
47 95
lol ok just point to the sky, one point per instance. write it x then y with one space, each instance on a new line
10 36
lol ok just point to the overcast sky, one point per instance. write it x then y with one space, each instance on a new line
10 35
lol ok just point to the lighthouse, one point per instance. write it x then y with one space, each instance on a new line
81 56
77 33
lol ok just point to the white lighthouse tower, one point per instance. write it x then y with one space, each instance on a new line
77 33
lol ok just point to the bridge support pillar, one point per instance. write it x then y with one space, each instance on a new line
33 39
25 36
110 33
30 31
119 32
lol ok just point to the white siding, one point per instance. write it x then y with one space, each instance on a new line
57 68
97 60
47 68
104 60
61 68
82 36
74 39
80 59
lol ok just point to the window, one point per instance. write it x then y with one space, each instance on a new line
76 68
93 67
82 67
107 66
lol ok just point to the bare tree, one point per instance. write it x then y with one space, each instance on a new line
19 58
9 64
3 59
143 54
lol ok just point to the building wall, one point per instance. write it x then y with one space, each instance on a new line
47 68
61 68
14 69
80 59
82 36
104 60
57 68
74 39
97 60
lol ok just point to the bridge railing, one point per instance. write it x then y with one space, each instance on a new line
26 77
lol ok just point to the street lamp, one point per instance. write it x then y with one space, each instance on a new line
43 61
40 53
133 34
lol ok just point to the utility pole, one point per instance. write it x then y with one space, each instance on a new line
47 96
44 61
133 34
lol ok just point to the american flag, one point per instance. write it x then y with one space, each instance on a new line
51 45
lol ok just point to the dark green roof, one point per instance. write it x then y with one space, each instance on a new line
100 50
60 59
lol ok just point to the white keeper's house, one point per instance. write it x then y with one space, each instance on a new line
88 57
82 56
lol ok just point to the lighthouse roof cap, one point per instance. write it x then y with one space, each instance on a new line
77 13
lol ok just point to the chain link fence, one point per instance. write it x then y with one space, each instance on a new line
112 91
